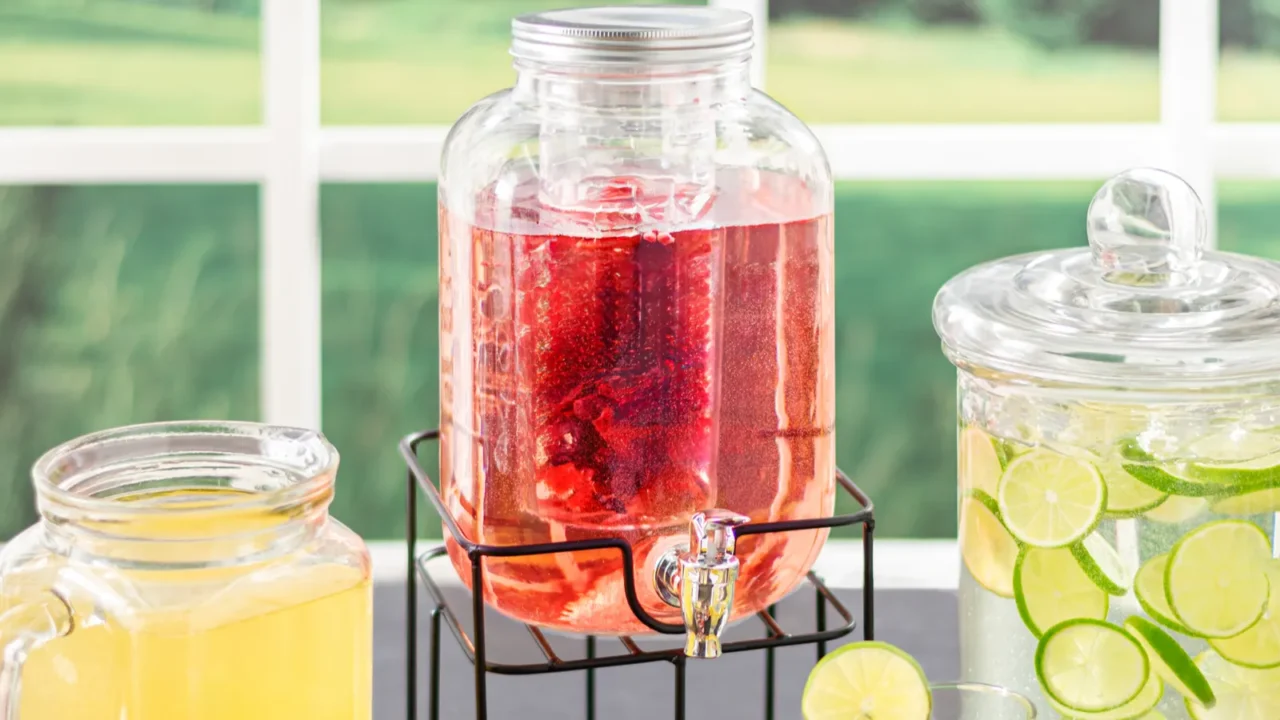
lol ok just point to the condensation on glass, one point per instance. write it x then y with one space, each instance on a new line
636 312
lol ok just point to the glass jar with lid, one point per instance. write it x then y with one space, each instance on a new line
1119 465
636 312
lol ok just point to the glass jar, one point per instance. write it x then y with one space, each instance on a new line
636 312
184 570
1119 465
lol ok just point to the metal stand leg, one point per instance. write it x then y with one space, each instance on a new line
768 672
477 624
868 582
411 603
591 679
820 613
434 701
679 662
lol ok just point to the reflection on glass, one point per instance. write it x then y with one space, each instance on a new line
121 305
410 61
965 60
978 701
129 62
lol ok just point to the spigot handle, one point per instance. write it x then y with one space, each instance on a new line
700 578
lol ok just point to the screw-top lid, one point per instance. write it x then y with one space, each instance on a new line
633 34
1147 305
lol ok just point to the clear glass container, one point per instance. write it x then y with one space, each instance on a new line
636 311
978 701
186 570
1119 463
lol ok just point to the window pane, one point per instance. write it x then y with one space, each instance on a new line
129 62
121 305
939 61
1248 64
409 61
380 359
1248 216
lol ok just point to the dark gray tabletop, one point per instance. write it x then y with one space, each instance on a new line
922 622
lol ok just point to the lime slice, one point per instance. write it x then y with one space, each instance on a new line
1242 693
1050 587
1090 665
1216 578
1146 700
1170 661
1259 646
1126 495
989 551
1177 509
1148 586
1103 565
1142 465
867 680
980 465
1255 502
1051 500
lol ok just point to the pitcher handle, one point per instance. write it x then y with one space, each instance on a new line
22 629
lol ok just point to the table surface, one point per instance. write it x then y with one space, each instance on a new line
922 622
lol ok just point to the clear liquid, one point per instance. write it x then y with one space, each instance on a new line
609 384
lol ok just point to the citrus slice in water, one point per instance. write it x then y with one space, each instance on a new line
1259 646
1177 509
1216 579
1127 496
1051 500
867 680
988 549
1139 708
1090 665
980 464
1242 693
1170 661
1254 502
1050 587
1148 587
1143 465
1103 565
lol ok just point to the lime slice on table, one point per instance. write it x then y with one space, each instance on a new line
1148 587
1051 500
1216 579
1103 565
1177 509
1242 693
1127 496
1139 708
1259 646
989 551
867 680
1170 661
980 463
1050 587
1090 665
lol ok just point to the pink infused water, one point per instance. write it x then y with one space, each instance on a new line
602 379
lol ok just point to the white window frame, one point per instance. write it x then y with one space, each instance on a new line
290 154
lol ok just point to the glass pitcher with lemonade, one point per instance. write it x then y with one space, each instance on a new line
186 570
1119 473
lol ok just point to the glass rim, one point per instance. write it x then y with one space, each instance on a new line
994 690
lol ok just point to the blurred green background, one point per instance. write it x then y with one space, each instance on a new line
126 304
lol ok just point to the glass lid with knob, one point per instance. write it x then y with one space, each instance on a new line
1146 305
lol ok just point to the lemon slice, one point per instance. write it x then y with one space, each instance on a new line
1216 579
1177 509
1103 565
1090 665
1050 587
1127 496
1139 708
1259 646
980 464
1242 693
867 680
1051 500
1170 661
1148 587
988 549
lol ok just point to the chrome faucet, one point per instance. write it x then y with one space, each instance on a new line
699 579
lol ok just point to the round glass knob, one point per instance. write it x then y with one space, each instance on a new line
1147 226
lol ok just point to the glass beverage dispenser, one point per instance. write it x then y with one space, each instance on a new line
1119 468
635 317
186 570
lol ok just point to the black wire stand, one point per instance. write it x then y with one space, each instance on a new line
473 643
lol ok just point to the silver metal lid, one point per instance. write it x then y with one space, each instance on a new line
632 35
1145 306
